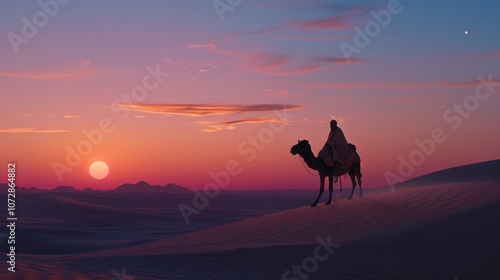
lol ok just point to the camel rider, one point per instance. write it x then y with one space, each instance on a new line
336 151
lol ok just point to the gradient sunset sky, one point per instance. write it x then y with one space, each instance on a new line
229 72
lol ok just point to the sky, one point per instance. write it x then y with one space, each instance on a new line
194 92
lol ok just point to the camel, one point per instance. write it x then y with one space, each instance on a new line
303 149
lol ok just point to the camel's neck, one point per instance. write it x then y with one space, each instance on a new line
310 159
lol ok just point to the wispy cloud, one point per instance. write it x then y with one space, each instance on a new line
30 130
314 38
202 110
261 31
279 64
335 21
397 85
214 126
266 62
338 17
296 71
197 110
47 75
255 120
270 64
339 60
210 45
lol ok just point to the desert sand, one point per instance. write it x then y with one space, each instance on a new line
443 226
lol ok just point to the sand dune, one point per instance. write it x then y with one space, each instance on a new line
346 220
430 232
437 228
487 171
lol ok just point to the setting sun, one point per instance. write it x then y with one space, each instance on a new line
98 170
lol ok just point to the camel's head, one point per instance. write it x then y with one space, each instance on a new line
299 147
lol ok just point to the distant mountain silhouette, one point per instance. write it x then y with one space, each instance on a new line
139 187
487 171
145 187
65 189
4 188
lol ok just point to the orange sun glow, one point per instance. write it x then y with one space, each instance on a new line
98 170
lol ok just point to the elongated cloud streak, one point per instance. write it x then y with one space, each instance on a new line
197 110
279 65
339 60
399 86
301 70
254 120
30 130
324 38
228 125
335 21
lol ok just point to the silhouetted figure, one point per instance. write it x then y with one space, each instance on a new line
355 171
336 151
304 150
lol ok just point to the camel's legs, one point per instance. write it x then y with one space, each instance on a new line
330 188
321 189
353 180
359 181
